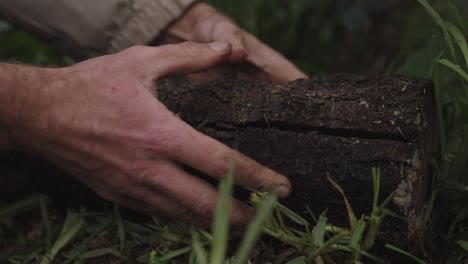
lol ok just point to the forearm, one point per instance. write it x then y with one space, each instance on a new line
20 88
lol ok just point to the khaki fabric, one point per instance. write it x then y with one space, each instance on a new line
89 28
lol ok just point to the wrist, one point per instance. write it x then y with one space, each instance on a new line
184 27
21 103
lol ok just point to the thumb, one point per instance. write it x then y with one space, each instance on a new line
190 57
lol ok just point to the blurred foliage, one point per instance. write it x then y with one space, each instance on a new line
320 36
360 36
22 47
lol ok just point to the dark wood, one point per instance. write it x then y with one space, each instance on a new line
342 105
340 124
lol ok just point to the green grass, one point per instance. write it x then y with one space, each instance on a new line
446 221
311 243
433 45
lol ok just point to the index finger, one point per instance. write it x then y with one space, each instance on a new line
213 158
275 65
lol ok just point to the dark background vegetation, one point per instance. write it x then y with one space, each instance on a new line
356 36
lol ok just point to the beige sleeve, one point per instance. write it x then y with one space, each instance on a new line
88 28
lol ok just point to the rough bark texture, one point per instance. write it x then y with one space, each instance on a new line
340 124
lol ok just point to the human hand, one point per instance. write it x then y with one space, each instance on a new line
252 58
100 121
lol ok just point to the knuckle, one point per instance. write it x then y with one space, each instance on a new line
156 150
150 173
252 175
172 140
165 137
190 50
223 165
174 51
205 205
144 176
221 170
250 169
190 47
135 170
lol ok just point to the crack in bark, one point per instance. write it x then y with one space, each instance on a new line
298 128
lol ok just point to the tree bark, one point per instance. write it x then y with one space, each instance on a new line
339 124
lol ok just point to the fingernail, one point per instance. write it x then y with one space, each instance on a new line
219 46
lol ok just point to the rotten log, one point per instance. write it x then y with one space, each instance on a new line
341 124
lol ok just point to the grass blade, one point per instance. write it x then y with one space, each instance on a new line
46 222
376 181
298 260
332 241
460 161
454 67
371 233
351 216
440 110
173 254
291 215
318 233
153 258
120 227
438 19
356 237
221 220
462 22
459 39
23 205
384 204
255 228
463 244
200 253
102 252
401 251
73 223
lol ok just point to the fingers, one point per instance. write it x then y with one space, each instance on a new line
213 158
188 57
275 66
222 29
247 47
238 53
147 201
169 191
196 195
